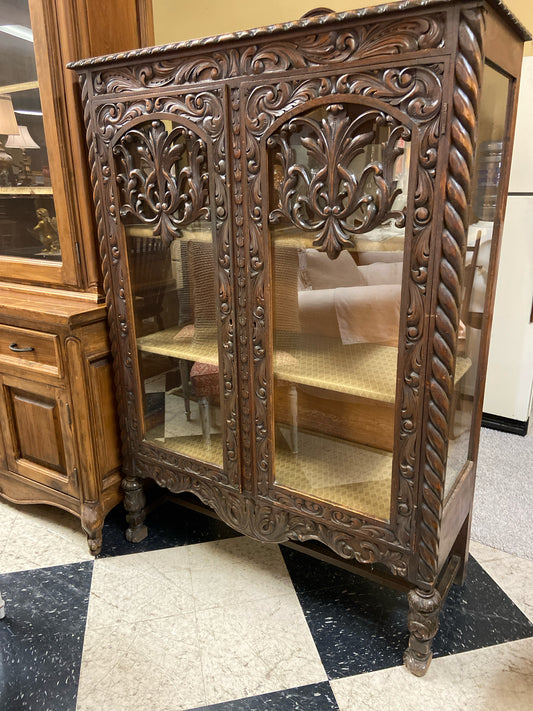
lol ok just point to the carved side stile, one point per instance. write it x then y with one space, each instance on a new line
468 73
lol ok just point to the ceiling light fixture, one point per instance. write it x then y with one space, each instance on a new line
19 31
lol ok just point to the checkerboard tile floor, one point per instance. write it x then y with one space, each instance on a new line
199 617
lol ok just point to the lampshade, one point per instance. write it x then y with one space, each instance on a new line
22 140
8 122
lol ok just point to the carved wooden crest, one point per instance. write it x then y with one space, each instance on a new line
162 177
326 196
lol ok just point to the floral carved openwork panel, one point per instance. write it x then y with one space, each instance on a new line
331 200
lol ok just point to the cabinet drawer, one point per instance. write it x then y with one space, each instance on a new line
33 350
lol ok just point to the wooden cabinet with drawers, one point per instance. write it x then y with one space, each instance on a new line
59 442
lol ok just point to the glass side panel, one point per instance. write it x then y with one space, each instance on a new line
28 226
338 183
164 209
492 131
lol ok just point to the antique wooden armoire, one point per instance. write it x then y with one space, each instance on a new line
299 230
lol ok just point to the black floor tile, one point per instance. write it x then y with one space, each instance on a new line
314 697
40 673
359 626
168 525
41 637
478 614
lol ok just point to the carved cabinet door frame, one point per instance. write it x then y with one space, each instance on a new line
413 95
200 113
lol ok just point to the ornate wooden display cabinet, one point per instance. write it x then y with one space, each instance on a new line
299 243
58 438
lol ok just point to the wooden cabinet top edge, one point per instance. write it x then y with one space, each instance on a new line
62 307
326 21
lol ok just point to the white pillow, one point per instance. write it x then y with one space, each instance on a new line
381 273
321 272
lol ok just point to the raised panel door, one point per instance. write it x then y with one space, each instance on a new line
38 437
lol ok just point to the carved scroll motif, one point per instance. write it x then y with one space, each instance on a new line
468 72
315 48
163 180
330 199
267 522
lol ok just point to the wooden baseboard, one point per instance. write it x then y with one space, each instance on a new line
505 424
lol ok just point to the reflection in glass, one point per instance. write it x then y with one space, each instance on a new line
338 195
172 270
492 119
28 226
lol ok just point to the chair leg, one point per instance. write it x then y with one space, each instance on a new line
184 373
205 419
293 405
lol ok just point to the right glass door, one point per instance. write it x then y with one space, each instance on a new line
338 184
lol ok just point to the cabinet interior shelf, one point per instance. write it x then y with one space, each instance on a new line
366 370
27 190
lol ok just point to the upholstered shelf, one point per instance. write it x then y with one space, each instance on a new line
27 190
365 370
357 478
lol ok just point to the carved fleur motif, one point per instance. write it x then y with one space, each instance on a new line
162 177
327 196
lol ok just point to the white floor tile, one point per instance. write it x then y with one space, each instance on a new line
150 665
40 536
255 648
140 586
235 571
236 600
487 679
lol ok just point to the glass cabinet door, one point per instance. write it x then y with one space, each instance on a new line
28 224
44 234
478 264
172 267
338 184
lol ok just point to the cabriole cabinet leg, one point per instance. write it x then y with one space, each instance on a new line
423 623
92 522
134 503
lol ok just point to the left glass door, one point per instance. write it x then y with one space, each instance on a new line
161 171
28 224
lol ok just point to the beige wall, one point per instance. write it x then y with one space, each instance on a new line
523 9
176 20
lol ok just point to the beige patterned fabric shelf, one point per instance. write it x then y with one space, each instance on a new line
193 446
342 472
365 370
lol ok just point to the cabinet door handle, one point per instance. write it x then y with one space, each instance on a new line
13 347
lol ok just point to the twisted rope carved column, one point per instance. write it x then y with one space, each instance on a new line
468 73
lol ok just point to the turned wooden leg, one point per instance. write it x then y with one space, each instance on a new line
134 503
92 521
423 623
